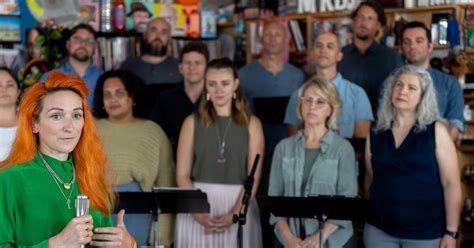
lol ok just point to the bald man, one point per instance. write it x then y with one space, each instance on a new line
155 66
356 113
271 76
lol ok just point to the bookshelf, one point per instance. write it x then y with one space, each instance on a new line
309 21
113 48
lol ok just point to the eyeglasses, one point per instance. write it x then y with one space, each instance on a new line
86 42
308 101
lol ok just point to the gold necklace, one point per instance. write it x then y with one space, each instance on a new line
53 173
56 178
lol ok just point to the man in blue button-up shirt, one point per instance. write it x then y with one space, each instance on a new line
417 47
80 48
356 113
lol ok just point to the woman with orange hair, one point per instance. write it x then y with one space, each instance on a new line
55 157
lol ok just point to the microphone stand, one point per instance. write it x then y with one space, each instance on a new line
241 218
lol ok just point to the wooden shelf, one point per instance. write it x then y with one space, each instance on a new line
469 122
422 14
469 96
422 9
465 148
225 25
469 50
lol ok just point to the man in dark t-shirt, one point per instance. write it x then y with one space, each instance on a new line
365 62
155 66
184 98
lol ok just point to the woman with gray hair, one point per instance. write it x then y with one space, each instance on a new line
412 176
315 161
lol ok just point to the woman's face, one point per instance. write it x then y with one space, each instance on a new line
406 92
315 110
33 49
221 85
9 91
59 124
117 103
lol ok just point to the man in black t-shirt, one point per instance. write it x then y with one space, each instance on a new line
184 98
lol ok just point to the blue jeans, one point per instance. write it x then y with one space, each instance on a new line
138 225
374 237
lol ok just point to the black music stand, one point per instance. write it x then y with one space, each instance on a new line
318 207
164 200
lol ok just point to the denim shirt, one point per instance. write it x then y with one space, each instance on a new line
333 173
450 98
90 76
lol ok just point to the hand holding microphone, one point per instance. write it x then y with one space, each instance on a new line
82 205
82 208
78 231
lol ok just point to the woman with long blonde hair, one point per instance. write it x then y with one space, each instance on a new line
57 156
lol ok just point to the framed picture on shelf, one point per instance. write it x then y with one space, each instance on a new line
10 28
469 25
89 13
9 7
173 13
143 6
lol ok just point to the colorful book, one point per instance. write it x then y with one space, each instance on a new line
90 14
9 28
148 4
193 21
9 7
173 13
208 24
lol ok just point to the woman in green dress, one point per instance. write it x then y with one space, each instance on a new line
55 157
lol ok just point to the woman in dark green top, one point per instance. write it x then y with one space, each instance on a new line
217 146
57 156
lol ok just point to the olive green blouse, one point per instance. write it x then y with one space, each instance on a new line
207 151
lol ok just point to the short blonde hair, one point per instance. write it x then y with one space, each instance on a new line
329 93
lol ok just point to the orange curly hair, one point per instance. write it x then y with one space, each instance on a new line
89 157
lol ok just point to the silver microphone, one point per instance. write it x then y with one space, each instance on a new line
82 206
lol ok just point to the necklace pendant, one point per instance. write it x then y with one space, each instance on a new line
67 186
68 203
221 160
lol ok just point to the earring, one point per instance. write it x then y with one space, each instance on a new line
208 97
234 95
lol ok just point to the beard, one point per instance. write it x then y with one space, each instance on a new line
81 56
363 37
156 50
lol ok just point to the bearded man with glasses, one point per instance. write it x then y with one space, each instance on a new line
80 49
